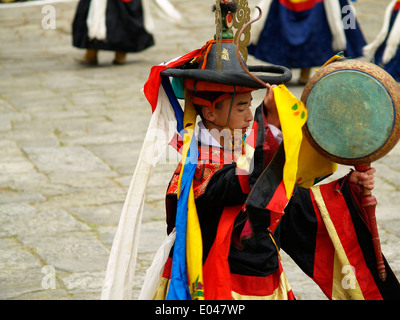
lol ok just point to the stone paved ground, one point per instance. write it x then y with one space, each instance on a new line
69 141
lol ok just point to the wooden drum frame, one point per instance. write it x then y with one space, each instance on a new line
354 119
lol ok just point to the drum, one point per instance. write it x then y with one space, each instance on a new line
353 119
353 112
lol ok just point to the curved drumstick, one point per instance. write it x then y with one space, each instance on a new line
266 85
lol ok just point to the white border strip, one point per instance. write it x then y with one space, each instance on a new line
32 3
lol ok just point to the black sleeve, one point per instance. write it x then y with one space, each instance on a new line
223 189
297 231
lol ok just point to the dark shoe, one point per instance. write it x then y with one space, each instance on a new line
85 61
89 59
120 58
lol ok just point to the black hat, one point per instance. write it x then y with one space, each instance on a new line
232 73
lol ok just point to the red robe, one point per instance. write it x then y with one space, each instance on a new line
241 254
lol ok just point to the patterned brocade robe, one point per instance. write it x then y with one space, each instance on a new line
322 229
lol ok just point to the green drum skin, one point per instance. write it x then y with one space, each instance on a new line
353 114
360 127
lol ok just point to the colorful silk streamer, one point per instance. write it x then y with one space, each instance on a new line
174 103
292 116
179 289
303 164
187 256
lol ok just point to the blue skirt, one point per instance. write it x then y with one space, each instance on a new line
302 39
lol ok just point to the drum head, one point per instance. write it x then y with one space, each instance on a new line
353 112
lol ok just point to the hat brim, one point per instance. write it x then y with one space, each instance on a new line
276 75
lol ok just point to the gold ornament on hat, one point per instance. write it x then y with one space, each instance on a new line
225 21
218 33
241 17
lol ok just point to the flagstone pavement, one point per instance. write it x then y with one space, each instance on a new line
70 137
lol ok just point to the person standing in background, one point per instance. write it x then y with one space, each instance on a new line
305 34
115 25
384 50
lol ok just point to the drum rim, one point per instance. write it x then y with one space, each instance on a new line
393 89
